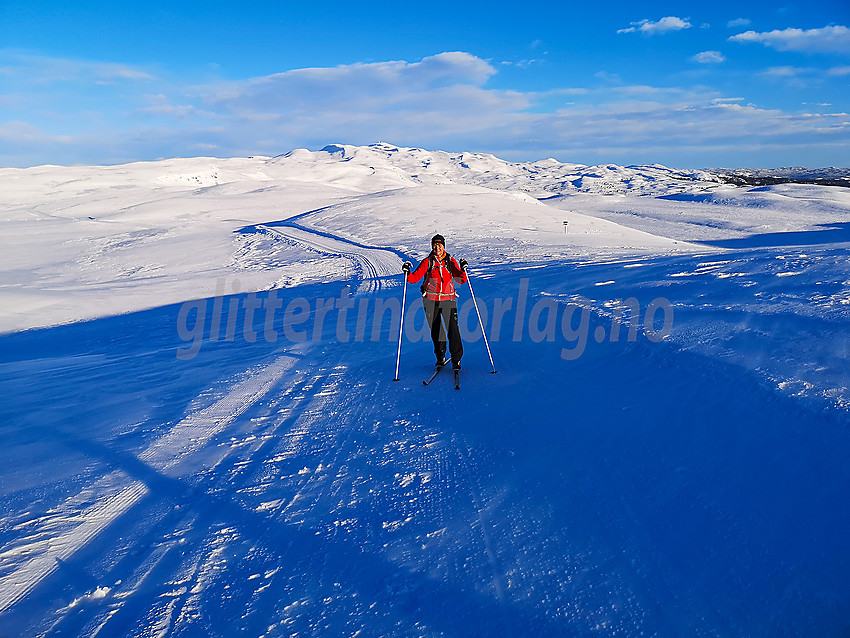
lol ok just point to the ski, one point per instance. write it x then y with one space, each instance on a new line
436 372
457 379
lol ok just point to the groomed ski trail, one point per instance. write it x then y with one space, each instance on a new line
375 266
80 519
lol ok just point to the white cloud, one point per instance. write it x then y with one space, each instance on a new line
709 57
781 71
161 105
522 64
795 77
171 110
839 71
787 71
23 132
834 39
691 120
607 77
381 85
738 23
572 91
648 27
120 72
37 69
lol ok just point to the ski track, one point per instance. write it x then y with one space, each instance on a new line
301 460
72 524
465 461
375 265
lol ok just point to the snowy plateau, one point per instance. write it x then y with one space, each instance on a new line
202 435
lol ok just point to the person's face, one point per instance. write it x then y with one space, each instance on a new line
439 249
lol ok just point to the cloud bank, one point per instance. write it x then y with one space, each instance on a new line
443 101
834 39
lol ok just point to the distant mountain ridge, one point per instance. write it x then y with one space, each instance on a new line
540 179
830 176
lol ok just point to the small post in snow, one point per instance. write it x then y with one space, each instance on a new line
566 223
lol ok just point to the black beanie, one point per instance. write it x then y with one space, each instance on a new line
438 239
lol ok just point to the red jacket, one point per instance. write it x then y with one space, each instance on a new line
439 284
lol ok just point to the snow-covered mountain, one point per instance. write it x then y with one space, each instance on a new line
540 179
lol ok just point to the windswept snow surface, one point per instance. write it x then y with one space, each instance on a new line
211 444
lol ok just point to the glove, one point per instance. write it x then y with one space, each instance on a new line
405 267
463 263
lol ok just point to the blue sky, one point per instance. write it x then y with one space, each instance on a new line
700 85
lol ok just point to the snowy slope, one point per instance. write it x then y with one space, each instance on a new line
474 220
86 242
723 214
662 452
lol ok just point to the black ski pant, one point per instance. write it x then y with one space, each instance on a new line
436 313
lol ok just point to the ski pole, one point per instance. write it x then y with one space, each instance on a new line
401 324
481 323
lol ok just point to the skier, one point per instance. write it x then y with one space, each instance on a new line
440 299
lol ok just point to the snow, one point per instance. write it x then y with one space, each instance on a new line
202 435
